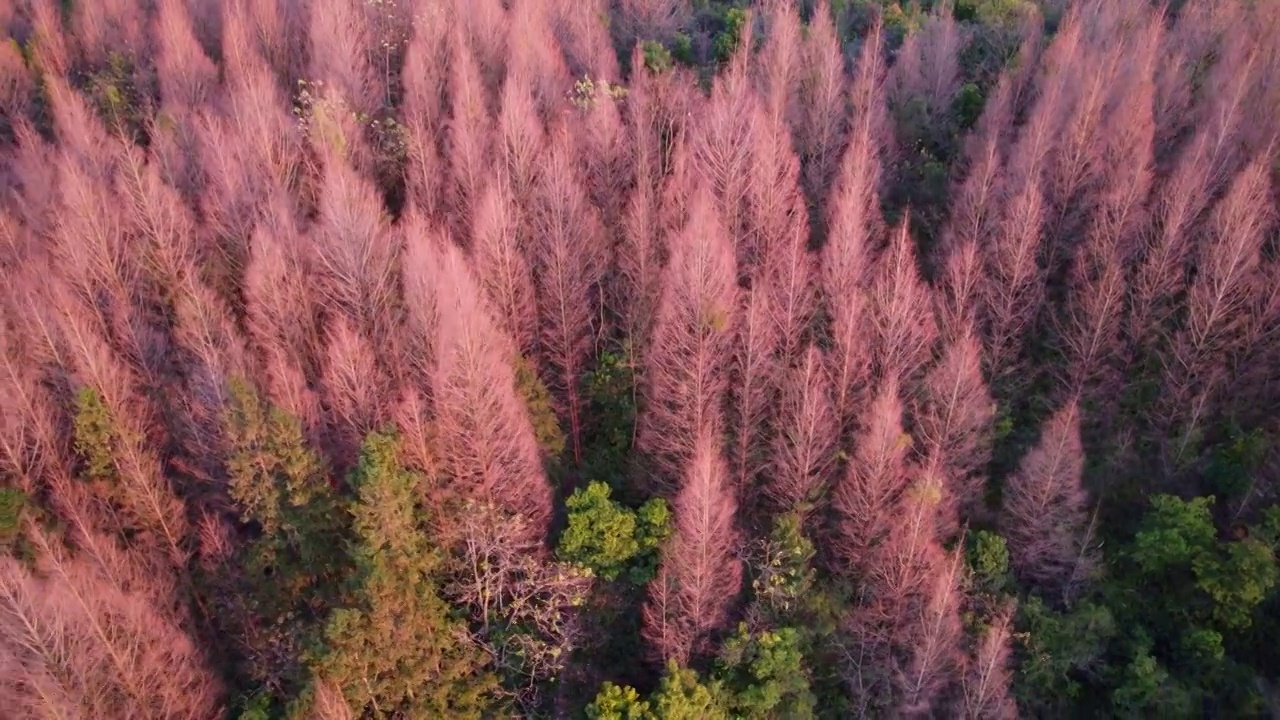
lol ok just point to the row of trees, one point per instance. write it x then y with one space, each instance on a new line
650 359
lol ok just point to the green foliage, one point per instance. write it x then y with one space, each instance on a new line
657 58
683 696
765 674
1267 530
395 651
610 393
615 702
988 558
1178 604
601 534
726 41
12 503
542 413
1177 553
611 539
785 576
587 92
1058 651
999 13
1232 467
682 49
967 105
116 96
899 22
257 708
282 487
94 436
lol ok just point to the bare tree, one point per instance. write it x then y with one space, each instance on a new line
486 444
1091 329
652 19
700 575
86 638
426 84
752 389
954 424
721 147
781 62
356 392
484 25
865 498
973 218
187 77
1014 286
502 266
779 238
354 253
901 321
690 349
523 605
468 133
804 446
532 51
570 262
934 643
987 674
853 226
1219 299
820 130
586 42
1046 515
927 71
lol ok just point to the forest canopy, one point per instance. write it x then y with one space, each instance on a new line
639 359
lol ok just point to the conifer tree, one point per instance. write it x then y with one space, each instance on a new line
396 649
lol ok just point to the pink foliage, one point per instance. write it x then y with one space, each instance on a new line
691 346
570 261
901 323
502 267
1045 515
486 444
468 134
821 124
954 425
987 675
700 575
805 444
752 384
865 498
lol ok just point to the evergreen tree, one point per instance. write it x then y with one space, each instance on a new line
396 651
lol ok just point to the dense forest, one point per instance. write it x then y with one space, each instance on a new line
639 359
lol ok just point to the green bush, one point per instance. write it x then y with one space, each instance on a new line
611 539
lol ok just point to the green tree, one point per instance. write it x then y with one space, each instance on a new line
1186 578
282 489
610 538
617 702
610 393
542 413
12 503
286 578
681 695
726 41
1060 652
657 58
93 435
765 674
988 558
785 575
396 650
